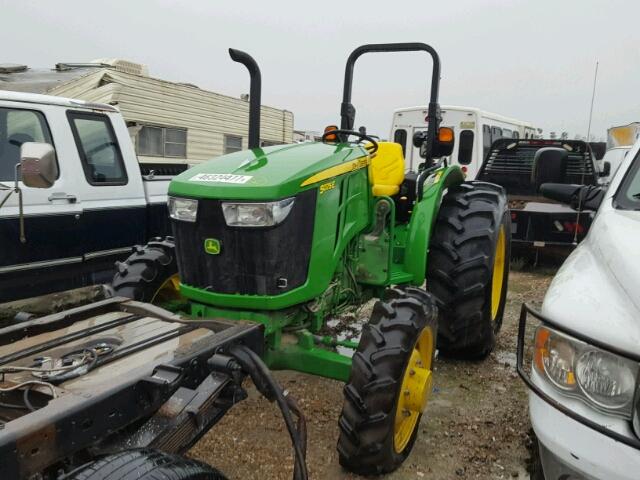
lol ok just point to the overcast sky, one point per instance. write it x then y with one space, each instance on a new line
532 60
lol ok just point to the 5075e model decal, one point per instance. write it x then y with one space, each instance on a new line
220 178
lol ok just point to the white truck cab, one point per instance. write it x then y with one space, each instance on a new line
99 206
585 361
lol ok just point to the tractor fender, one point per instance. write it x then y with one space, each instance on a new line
423 218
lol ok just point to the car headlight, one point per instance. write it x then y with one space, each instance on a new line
185 209
606 379
602 379
263 214
555 357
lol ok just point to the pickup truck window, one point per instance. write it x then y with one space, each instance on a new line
98 149
18 126
628 195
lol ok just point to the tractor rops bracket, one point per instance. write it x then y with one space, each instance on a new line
348 111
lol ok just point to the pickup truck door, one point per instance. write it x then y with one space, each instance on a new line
50 249
114 217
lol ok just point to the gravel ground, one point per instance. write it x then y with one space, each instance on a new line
475 427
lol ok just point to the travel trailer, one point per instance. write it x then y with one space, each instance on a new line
169 122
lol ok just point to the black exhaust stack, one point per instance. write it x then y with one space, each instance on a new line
254 94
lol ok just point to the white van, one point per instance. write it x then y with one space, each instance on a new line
475 131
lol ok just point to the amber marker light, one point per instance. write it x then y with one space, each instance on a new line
330 137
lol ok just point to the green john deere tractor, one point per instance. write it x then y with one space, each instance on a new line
291 235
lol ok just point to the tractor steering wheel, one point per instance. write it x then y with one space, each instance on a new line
373 148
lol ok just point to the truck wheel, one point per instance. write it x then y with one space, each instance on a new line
146 464
150 274
390 384
468 267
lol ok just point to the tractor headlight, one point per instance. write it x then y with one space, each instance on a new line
264 214
184 209
604 380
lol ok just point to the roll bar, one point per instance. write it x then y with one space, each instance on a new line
347 110
255 91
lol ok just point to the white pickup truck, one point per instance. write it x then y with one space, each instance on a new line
101 204
580 356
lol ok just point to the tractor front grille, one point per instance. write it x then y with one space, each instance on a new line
252 261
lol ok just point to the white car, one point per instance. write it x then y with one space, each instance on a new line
580 356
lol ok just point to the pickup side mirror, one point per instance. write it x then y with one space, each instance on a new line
606 169
587 197
38 165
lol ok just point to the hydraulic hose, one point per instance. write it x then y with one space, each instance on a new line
265 383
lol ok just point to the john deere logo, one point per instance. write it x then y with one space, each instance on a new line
212 246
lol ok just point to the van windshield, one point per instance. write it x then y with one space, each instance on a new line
628 195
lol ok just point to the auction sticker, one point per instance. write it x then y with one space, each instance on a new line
220 178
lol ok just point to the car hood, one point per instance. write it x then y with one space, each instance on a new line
597 289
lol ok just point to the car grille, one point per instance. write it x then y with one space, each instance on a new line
252 260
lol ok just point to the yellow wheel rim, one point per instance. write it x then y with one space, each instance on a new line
168 291
499 268
415 391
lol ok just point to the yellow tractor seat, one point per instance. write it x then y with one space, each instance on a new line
386 170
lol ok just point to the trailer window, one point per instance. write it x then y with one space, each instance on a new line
465 150
232 144
18 127
506 133
175 142
516 134
400 136
155 141
98 148
496 134
269 143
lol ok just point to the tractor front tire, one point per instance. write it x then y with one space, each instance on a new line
150 274
390 382
468 268
146 464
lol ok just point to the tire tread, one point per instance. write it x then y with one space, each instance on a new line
460 267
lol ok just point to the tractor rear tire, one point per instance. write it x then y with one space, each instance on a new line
150 274
146 464
468 268
374 438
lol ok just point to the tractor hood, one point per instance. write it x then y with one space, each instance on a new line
597 289
265 173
